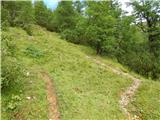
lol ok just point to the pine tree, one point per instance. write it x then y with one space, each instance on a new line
41 13
65 15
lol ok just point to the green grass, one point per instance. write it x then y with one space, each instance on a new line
30 86
147 101
84 89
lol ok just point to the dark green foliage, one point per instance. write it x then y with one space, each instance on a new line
4 18
134 50
147 14
70 35
103 23
51 22
65 16
44 16
139 59
12 72
78 34
99 24
97 29
103 27
41 13
18 13
8 46
11 69
33 52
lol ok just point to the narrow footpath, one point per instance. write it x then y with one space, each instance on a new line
51 96
128 94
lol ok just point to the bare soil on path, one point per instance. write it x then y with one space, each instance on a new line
128 94
125 97
51 96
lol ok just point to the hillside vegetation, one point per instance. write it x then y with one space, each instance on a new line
82 60
85 90
133 40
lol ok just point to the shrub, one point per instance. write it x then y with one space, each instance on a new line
18 14
4 18
11 72
31 51
142 62
70 35
28 29
11 69
8 46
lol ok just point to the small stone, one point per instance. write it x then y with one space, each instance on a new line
31 82
27 73
28 98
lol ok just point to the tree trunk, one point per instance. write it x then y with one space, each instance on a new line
98 48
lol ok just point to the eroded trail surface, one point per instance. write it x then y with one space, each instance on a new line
128 94
51 96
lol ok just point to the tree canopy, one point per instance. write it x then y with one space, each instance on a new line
133 40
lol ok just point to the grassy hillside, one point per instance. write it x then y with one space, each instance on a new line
84 89
147 101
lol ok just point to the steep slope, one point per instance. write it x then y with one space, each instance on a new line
84 89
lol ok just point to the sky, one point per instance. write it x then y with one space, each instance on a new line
52 4
129 9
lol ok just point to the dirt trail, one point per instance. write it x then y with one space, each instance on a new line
128 94
51 96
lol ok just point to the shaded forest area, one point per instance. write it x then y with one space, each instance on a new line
133 40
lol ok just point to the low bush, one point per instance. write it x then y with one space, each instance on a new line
11 69
142 62
70 35
11 72
32 51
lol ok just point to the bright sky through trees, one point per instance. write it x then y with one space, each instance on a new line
52 4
